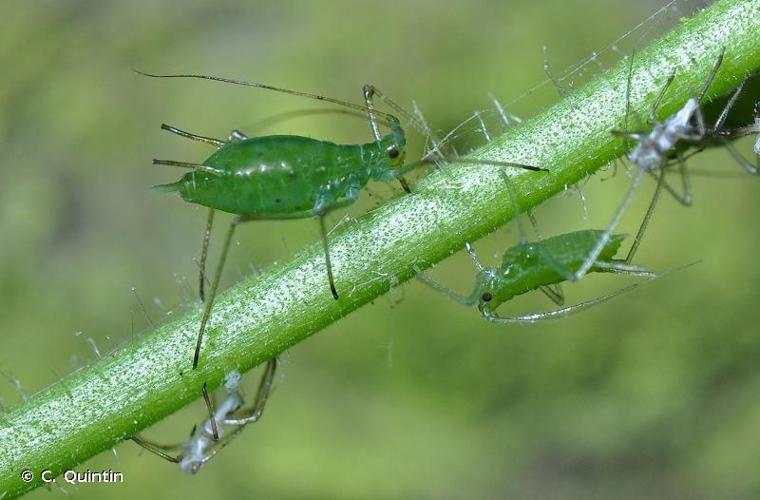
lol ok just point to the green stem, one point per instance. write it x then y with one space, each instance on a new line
100 405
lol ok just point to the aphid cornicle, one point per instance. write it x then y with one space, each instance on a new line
290 177
224 423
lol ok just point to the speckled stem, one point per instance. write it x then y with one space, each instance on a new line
98 406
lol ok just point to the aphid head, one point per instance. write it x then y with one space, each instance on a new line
395 144
487 287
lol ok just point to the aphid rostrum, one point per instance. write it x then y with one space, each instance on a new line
289 177
651 155
224 423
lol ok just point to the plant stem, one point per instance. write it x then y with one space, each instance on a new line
98 406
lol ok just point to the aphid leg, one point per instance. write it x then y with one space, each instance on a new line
749 167
591 258
656 105
156 449
211 412
647 217
565 311
194 137
713 73
328 263
253 414
215 285
728 107
553 292
456 297
204 254
473 256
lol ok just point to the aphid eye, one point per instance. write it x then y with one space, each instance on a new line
392 152
486 297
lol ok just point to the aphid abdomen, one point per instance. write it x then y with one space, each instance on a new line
275 176
529 266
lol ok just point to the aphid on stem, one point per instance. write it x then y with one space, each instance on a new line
651 156
284 177
224 423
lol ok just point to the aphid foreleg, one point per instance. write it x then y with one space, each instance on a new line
369 92
215 285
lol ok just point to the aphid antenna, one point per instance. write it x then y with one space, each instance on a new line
451 294
560 313
265 86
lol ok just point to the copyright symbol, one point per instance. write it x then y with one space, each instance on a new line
27 475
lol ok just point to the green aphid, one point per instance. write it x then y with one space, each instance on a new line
291 177
540 265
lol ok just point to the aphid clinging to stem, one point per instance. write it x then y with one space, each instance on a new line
289 177
213 435
651 154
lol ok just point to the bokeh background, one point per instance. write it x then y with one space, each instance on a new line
653 395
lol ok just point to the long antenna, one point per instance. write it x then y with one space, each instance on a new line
269 87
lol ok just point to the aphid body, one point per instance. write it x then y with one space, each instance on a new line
223 424
535 265
286 176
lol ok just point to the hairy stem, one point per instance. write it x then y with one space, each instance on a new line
128 390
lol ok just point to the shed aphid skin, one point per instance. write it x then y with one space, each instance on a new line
651 155
531 266
224 423
290 177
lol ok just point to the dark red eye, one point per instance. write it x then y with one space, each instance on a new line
393 152
486 297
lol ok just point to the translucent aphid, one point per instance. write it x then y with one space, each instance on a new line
225 422
650 155
290 177
539 265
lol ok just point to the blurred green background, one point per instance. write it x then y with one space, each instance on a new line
653 395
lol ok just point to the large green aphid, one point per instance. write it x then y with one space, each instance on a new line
538 265
290 177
